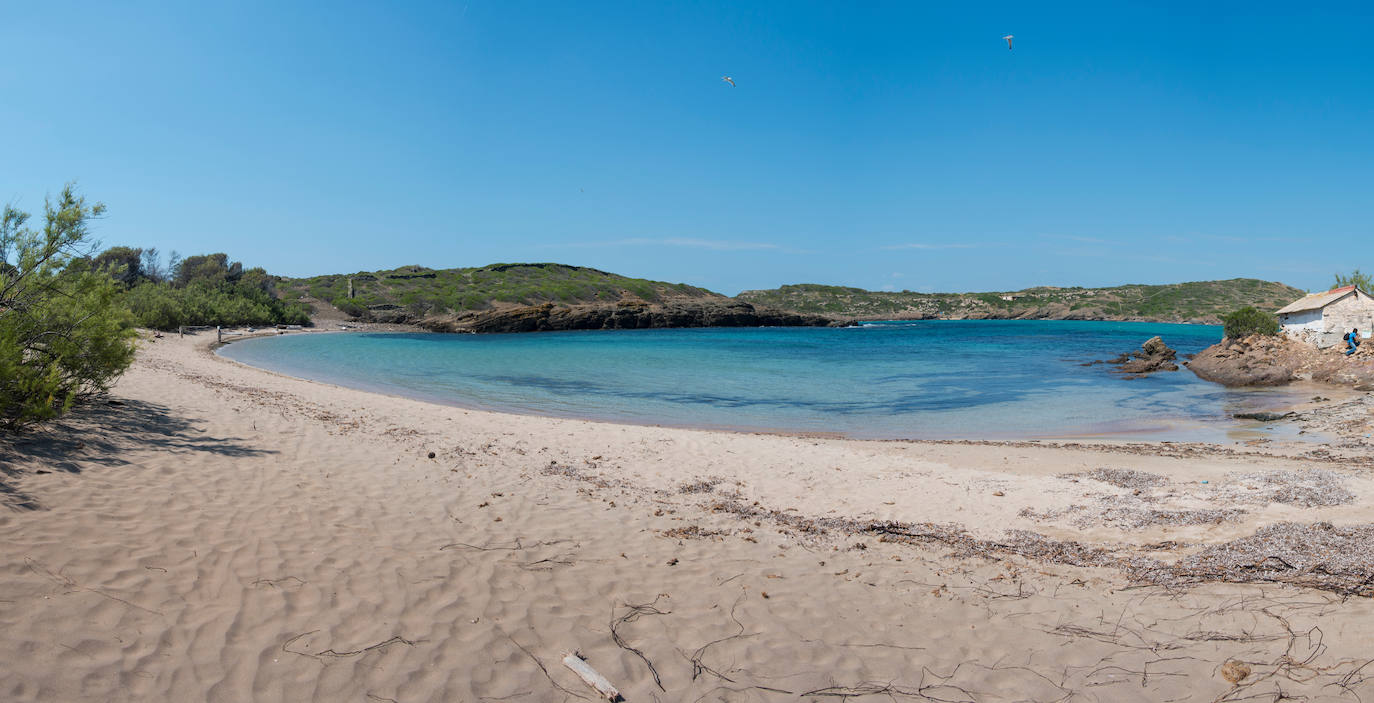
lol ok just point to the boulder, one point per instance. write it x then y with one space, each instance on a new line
1154 355
1155 346
1257 360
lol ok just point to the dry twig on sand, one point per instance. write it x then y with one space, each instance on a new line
541 666
331 652
698 666
632 614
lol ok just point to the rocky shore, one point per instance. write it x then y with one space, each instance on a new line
1261 360
624 315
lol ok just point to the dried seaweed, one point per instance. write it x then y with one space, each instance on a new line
1318 556
692 532
1308 489
1122 478
705 485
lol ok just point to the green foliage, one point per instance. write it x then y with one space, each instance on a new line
211 268
123 264
202 290
424 291
1249 320
63 333
1201 301
352 308
165 306
1354 278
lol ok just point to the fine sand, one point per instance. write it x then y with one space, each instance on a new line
220 533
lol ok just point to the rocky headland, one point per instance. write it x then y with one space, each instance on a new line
626 314
1263 360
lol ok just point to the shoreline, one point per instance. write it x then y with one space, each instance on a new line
1154 428
228 533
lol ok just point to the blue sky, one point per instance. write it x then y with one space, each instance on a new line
882 145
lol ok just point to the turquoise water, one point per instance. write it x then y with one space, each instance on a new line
929 379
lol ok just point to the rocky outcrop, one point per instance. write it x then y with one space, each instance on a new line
1258 360
625 315
1273 361
1154 355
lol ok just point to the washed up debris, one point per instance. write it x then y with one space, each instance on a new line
589 676
1317 555
693 532
1338 559
1122 478
1235 671
1307 489
705 485
1130 512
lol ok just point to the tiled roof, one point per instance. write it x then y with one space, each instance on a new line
1317 301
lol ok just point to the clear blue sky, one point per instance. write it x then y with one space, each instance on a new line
896 145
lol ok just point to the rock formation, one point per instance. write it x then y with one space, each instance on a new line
1258 360
1261 360
628 314
1154 355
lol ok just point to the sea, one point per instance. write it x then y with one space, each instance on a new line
946 379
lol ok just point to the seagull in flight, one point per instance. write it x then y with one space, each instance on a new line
1009 37
729 80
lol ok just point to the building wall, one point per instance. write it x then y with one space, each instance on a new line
1352 311
1327 326
1304 325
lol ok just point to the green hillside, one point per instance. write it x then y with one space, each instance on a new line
420 291
1201 301
415 292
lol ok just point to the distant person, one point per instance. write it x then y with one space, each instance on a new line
1352 341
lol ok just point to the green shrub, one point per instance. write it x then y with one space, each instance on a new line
63 333
352 308
1249 320
166 307
210 290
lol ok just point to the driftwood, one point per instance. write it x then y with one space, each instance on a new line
593 679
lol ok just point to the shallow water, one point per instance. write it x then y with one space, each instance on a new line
930 379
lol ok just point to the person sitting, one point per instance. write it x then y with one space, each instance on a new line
1352 341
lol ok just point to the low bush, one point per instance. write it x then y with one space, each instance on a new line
64 334
1250 320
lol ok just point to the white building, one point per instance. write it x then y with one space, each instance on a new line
1324 318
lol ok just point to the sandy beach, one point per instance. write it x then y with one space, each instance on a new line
220 533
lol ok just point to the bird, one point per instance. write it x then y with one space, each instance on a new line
1008 38
729 80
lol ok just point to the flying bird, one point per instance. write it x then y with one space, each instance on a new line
729 80
1008 38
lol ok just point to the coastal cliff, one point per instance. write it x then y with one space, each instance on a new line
531 298
623 315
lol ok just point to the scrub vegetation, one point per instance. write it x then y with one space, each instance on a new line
1247 321
422 291
64 331
1201 301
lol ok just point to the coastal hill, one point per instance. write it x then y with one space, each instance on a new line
1198 302
423 291
545 296
528 297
